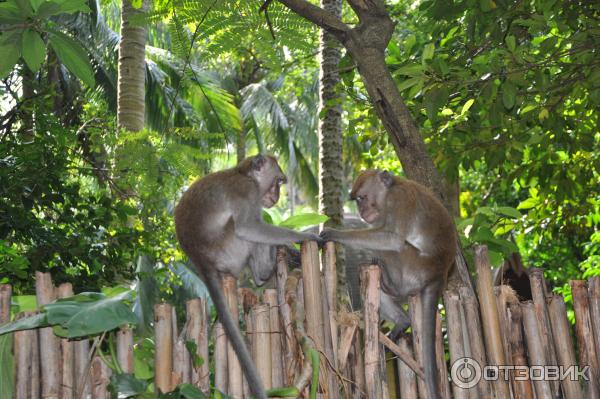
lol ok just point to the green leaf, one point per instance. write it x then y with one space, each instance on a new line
428 51
189 391
511 43
10 56
303 220
73 56
126 385
509 211
137 4
528 203
285 392
71 6
467 106
47 9
26 323
509 92
7 360
25 303
35 4
410 70
10 13
24 8
33 49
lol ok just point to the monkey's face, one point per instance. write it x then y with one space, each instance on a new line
369 193
270 178
271 197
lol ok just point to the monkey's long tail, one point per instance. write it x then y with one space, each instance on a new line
213 283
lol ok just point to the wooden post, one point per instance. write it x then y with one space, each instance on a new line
290 344
585 338
67 387
262 343
333 390
5 298
594 297
100 379
415 310
563 342
522 388
370 284
489 318
163 359
220 358
34 338
82 368
357 365
504 296
473 334
543 389
330 277
234 369
406 376
22 353
277 378
197 332
456 337
181 361
441 357
349 323
49 343
125 349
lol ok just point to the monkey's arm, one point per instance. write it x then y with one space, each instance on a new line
373 239
257 231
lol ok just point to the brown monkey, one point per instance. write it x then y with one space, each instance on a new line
219 226
413 236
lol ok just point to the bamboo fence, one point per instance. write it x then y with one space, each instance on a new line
283 325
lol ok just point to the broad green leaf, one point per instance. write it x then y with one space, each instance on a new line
137 4
126 385
511 43
189 391
10 13
496 258
25 303
26 323
73 56
408 83
509 92
10 56
7 371
410 70
508 211
428 52
467 106
24 8
47 9
33 49
35 4
528 203
71 6
285 392
303 220
544 114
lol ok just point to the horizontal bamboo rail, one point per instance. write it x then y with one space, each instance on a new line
289 327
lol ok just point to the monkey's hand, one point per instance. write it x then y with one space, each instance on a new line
311 237
329 234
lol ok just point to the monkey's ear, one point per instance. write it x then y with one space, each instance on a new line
258 161
386 178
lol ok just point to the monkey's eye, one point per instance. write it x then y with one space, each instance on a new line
280 181
360 198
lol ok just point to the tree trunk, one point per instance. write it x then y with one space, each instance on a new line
331 139
366 43
132 69
241 145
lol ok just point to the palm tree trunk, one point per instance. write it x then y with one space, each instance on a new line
330 138
132 74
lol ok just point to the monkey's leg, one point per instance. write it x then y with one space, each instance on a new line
390 309
262 262
429 297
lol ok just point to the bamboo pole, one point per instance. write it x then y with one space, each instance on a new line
234 369
67 387
504 295
585 338
5 298
563 342
406 376
473 334
405 357
594 298
220 358
456 337
285 312
370 284
333 390
182 367
163 359
522 388
277 377
125 349
49 343
82 370
539 295
330 277
441 358
535 349
489 318
197 332
100 379
262 343
35 367
348 323
357 365
22 353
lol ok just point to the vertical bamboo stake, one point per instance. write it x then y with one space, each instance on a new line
455 336
181 361
329 352
585 338
369 278
330 276
504 295
262 343
197 332
67 353
522 388
49 343
415 310
441 358
357 364
270 298
543 390
349 323
594 297
220 358
234 369
563 343
289 347
539 294
125 349
489 318
163 358
22 351
406 376
474 333
35 363
100 379
82 371
5 298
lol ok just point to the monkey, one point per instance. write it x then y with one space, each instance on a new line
218 223
412 235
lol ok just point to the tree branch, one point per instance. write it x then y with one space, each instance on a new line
317 15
